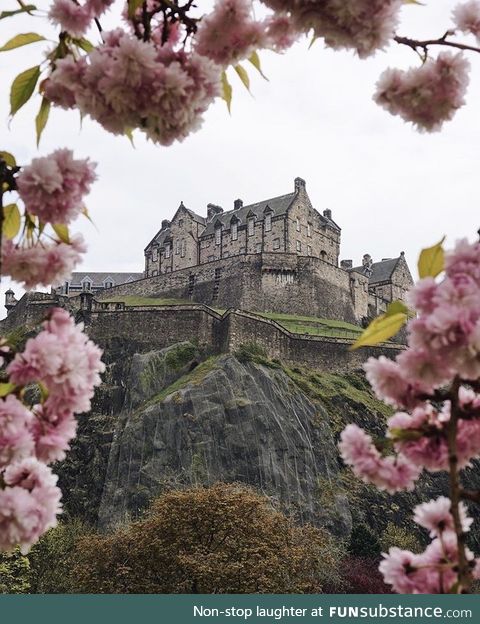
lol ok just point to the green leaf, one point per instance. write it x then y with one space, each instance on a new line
129 134
413 2
42 118
6 388
255 61
11 221
23 87
133 5
25 9
61 230
85 44
226 91
431 260
396 307
8 158
380 330
243 76
21 40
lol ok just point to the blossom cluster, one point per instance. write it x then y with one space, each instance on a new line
427 95
76 18
126 83
466 17
436 374
362 25
67 366
433 571
52 189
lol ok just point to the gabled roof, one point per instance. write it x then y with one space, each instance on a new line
98 278
279 206
195 217
380 271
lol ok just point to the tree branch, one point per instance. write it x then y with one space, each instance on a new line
414 44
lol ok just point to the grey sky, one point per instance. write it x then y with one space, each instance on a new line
389 187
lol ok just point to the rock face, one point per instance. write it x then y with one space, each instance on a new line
226 420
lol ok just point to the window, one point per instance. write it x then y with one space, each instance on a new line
180 223
177 246
234 230
86 286
268 222
218 236
309 229
309 250
154 254
299 246
183 248
154 273
251 226
298 224
276 243
167 250
66 287
109 283
323 255
258 248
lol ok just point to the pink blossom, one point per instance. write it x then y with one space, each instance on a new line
98 7
363 25
437 518
64 360
228 34
466 17
70 16
127 83
427 95
41 264
16 441
387 473
390 385
52 432
280 32
53 187
29 504
421 296
464 259
399 569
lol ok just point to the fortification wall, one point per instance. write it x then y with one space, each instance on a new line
29 311
262 282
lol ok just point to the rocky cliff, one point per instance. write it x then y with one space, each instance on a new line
177 416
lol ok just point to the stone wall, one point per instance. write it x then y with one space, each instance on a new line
29 311
268 282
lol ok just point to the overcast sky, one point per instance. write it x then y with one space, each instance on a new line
389 187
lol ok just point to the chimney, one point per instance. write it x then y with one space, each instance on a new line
346 264
402 255
300 184
165 224
238 203
327 213
213 210
10 300
367 260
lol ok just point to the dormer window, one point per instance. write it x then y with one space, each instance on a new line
298 224
268 222
309 229
183 248
66 287
234 230
154 254
177 246
167 250
251 226
86 285
218 235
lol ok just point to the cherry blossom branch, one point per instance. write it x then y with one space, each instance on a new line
414 44
471 495
464 575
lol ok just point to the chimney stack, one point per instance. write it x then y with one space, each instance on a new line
367 260
238 203
346 264
165 224
327 213
300 184
213 210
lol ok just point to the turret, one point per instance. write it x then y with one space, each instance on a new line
10 301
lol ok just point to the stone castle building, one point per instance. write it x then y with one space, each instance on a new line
276 255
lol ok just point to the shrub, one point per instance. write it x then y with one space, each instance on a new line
14 573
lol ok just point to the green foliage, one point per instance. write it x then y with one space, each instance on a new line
251 352
17 337
431 261
222 539
51 559
14 573
28 8
363 542
23 87
382 328
42 118
226 91
21 40
400 537
11 221
180 355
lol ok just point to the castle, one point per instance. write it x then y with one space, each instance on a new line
277 255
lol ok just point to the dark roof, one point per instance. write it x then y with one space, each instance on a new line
195 217
279 206
381 271
98 278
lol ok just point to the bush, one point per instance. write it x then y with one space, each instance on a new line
363 542
51 559
14 573
222 539
400 537
361 576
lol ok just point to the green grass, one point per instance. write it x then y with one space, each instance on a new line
314 326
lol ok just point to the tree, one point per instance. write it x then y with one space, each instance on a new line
222 539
